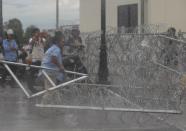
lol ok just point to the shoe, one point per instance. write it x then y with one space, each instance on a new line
2 84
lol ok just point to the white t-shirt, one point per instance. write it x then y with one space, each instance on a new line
37 49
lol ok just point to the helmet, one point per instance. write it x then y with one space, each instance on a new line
10 32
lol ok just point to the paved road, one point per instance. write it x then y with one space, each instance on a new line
19 114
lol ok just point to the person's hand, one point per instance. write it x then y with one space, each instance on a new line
62 70
34 39
13 49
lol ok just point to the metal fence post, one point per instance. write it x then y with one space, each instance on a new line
1 18
103 69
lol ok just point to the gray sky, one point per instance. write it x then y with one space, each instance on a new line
41 13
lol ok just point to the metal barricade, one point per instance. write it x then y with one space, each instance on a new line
53 86
141 77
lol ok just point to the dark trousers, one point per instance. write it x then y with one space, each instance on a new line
4 72
32 76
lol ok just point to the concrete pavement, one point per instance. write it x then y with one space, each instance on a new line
19 114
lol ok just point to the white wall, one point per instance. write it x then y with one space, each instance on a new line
90 13
170 12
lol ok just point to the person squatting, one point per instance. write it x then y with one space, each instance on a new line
9 52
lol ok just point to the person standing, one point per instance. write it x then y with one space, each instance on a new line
36 47
169 52
35 50
10 49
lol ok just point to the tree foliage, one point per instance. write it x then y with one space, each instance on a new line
16 25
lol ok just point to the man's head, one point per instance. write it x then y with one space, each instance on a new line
35 32
10 34
171 32
59 39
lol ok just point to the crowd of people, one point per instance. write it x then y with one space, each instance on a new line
36 52
49 53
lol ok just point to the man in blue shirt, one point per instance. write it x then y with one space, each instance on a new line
53 57
10 47
10 51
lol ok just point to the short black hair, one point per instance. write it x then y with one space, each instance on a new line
172 29
57 37
35 30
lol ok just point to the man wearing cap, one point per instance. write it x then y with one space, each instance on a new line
10 51
10 47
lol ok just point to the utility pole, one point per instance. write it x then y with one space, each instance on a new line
1 18
57 14
103 68
142 12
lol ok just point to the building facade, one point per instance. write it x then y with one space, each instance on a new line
130 13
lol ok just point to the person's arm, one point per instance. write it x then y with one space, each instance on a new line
6 46
55 61
32 40
14 46
1 47
31 43
43 41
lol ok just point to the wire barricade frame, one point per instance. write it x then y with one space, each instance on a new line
141 64
54 87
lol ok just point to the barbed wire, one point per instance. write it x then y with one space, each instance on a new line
145 66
